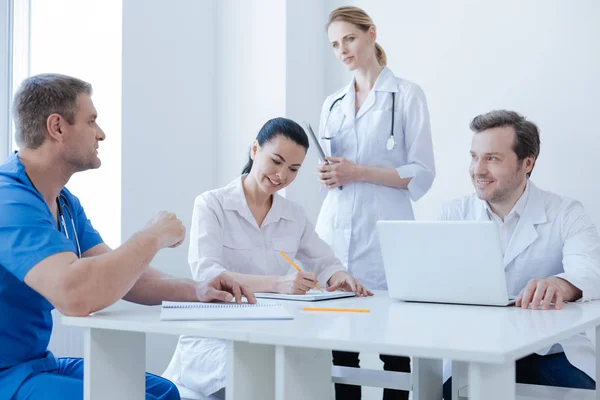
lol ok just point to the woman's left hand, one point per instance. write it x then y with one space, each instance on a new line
338 173
342 280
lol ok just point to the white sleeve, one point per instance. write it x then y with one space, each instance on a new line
205 255
581 252
314 253
419 147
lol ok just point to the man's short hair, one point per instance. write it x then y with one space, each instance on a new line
527 134
38 97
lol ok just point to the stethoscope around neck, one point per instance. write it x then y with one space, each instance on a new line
62 224
61 216
391 142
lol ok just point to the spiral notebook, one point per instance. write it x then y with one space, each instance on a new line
182 311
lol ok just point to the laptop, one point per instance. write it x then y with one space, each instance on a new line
458 262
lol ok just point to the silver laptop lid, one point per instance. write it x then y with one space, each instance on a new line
443 261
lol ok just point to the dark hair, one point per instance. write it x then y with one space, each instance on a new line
40 96
279 126
527 134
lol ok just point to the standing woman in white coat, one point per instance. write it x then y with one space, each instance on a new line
378 135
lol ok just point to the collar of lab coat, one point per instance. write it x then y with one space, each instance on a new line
235 199
525 232
385 82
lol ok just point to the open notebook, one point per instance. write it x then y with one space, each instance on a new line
311 295
181 311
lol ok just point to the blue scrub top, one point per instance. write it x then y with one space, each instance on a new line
28 234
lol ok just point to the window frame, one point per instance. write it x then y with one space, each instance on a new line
6 81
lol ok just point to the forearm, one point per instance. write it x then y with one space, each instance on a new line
256 283
382 176
154 286
99 281
570 291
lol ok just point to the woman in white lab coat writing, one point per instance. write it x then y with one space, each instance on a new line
240 230
378 135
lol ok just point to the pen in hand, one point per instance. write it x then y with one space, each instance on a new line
295 266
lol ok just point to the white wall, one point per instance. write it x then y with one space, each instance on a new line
305 88
169 124
250 40
538 57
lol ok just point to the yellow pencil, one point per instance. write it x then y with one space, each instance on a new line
336 309
294 265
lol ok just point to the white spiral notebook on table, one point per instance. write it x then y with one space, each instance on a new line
184 311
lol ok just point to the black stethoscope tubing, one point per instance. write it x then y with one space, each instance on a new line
393 109
62 217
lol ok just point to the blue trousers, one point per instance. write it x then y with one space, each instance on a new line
67 383
550 370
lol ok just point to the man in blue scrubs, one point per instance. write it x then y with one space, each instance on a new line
50 254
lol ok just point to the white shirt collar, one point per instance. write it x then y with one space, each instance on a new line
385 82
236 200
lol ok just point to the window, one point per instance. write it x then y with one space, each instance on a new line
81 38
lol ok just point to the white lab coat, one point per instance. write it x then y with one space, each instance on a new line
225 236
348 217
554 237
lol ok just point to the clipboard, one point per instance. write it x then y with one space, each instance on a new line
317 145
311 295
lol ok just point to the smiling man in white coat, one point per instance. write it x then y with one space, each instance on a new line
551 247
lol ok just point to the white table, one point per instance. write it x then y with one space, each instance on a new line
292 359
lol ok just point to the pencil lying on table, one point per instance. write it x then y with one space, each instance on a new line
335 309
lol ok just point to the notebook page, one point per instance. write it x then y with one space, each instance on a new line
195 304
182 311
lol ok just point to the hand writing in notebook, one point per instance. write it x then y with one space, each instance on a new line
223 288
297 283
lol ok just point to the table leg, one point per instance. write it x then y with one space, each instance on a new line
250 371
492 381
427 379
114 365
302 374
459 378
